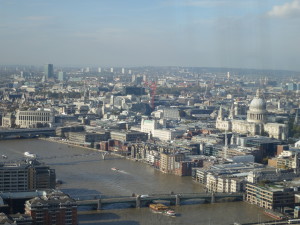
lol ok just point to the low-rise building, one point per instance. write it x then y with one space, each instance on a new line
26 176
184 168
270 175
168 162
128 135
87 137
55 208
8 120
34 118
270 197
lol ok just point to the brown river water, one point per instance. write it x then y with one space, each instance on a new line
85 175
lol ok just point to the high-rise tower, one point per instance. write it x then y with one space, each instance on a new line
49 72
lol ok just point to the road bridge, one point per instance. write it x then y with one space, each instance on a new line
26 133
174 199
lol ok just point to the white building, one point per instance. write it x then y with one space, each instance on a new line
155 128
167 134
32 118
256 123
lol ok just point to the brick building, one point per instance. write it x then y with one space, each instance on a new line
55 208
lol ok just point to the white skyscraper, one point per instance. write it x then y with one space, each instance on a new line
123 71
61 76
99 69
228 75
112 70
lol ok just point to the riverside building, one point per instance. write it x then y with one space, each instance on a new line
270 197
34 118
26 176
55 208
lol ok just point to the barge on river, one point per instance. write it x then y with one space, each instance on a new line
158 207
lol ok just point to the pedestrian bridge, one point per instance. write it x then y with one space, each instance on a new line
174 199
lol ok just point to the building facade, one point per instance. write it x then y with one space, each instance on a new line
34 118
48 71
128 135
269 198
168 162
28 176
256 123
55 208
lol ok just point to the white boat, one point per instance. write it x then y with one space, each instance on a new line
29 155
170 213
115 169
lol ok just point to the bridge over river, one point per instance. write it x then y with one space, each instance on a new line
174 199
26 133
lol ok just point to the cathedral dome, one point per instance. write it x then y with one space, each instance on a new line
258 104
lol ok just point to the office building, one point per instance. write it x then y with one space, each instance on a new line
61 76
34 118
26 176
87 138
270 197
168 162
128 135
49 71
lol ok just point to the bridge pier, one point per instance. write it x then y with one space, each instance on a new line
177 198
104 154
99 204
138 202
213 197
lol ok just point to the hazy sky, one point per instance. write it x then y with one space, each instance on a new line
262 34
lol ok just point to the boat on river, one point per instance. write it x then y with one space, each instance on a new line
29 155
170 213
160 208
114 169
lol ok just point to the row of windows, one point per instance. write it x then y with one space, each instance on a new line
34 118
34 113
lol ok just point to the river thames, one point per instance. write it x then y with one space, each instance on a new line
85 174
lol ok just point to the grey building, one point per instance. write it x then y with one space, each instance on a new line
129 135
49 71
26 176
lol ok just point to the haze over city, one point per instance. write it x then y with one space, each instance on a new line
216 33
141 112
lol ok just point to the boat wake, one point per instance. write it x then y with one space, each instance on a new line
122 171
118 170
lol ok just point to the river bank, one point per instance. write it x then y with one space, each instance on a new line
84 173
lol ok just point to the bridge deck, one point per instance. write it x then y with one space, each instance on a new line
150 198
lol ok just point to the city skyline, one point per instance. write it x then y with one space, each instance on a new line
218 33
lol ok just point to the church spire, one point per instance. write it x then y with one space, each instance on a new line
231 112
296 121
220 113
258 93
